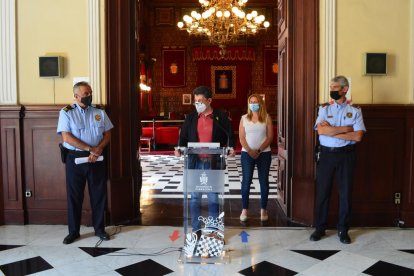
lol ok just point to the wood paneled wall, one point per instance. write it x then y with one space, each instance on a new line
11 164
166 34
30 162
384 167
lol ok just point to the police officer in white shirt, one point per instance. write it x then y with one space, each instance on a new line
85 131
340 126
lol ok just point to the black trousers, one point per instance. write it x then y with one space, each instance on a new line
76 177
342 165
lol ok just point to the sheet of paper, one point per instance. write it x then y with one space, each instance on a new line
81 160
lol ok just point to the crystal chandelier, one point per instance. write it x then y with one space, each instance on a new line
223 21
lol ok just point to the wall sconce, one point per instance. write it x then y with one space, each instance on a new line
173 68
275 67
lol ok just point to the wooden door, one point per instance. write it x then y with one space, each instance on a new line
284 105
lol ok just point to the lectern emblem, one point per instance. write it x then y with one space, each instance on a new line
203 178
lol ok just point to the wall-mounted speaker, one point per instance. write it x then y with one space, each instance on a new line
375 64
51 67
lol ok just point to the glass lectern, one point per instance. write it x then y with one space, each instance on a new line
203 185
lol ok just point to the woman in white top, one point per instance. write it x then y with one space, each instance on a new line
256 135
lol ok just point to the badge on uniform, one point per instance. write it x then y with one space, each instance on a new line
349 114
330 116
98 117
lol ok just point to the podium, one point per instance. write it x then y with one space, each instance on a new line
203 203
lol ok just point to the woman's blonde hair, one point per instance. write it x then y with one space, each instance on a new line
262 108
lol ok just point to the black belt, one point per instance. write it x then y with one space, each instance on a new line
79 153
348 148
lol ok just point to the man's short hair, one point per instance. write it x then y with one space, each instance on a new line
343 81
203 90
79 84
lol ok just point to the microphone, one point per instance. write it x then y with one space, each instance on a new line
216 119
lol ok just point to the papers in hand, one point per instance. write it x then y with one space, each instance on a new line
81 160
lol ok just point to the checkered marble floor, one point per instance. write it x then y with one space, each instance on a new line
163 174
154 250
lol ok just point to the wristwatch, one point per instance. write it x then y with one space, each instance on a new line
259 150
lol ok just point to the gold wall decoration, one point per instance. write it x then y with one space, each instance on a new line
223 82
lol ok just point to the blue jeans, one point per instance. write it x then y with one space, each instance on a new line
195 201
263 167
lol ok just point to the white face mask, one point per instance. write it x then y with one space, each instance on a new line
200 107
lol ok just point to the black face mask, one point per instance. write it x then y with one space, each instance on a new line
87 100
335 95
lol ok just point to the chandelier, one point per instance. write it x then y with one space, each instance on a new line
223 21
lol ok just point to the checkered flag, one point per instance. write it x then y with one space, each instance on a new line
209 247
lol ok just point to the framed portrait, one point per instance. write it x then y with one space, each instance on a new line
173 67
186 99
270 66
223 82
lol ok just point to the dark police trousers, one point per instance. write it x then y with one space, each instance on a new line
76 176
342 165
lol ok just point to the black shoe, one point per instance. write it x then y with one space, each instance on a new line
71 238
103 236
344 237
317 235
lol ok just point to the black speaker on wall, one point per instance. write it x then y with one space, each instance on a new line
51 67
375 63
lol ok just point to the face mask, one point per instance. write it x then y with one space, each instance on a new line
200 107
335 95
87 100
254 107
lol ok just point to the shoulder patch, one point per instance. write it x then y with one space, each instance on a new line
67 108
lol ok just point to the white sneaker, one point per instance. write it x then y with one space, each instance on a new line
243 217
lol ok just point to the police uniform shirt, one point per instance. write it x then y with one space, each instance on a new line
88 125
339 115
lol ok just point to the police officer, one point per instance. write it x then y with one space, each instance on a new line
85 131
340 126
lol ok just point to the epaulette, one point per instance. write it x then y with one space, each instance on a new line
324 104
68 107
356 106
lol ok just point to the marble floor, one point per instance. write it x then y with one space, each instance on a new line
154 250
153 245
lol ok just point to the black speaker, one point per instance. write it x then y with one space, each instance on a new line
375 63
51 67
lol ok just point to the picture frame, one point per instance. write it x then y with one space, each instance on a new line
187 99
164 17
173 66
224 82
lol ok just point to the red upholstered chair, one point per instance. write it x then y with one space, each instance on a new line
147 137
147 132
167 135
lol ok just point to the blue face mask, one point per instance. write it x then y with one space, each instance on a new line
254 107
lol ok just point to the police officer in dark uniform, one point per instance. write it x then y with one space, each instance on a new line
85 131
340 126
